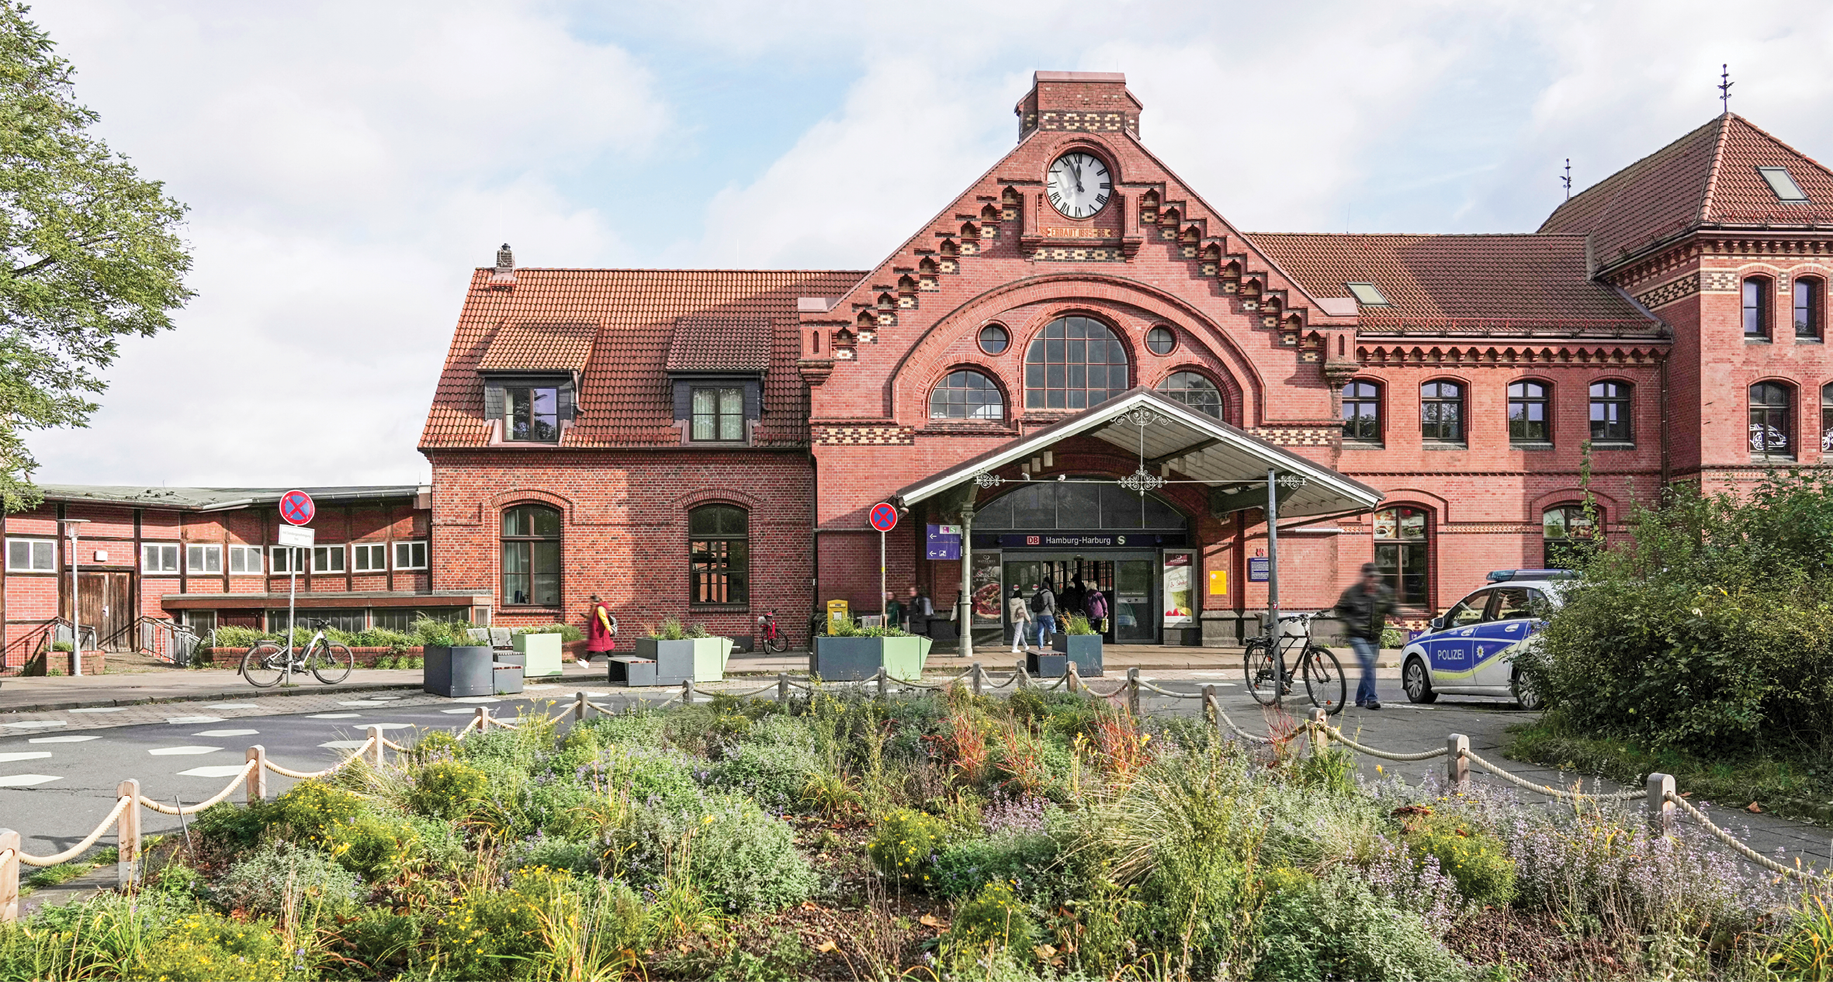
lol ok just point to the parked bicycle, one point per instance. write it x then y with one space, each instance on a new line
1268 676
769 635
267 662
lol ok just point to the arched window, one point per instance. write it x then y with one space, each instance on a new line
1362 413
1772 420
1569 535
1075 363
1403 552
1826 418
719 555
966 395
1527 413
1757 293
1810 304
1610 416
531 556
1193 390
1441 412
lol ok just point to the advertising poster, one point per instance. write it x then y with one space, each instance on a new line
1178 598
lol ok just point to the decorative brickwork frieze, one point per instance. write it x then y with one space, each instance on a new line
864 435
1719 281
1669 292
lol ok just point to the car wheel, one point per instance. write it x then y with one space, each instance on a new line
1417 681
1526 696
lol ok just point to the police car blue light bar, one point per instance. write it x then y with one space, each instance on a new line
1504 575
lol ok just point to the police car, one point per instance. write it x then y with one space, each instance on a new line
1469 651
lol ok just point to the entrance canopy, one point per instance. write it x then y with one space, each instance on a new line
1172 439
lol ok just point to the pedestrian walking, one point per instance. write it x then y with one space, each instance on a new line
1364 610
894 611
1044 611
1020 613
601 628
917 605
1097 609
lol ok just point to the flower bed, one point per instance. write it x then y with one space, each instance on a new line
1044 836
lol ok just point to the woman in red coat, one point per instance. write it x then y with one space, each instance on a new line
601 627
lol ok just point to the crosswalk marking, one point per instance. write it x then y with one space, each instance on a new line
66 738
213 770
217 734
34 724
182 751
26 780
101 709
193 720
24 755
334 716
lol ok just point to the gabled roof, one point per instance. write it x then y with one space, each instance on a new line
1706 178
1196 445
625 398
1460 283
720 343
521 346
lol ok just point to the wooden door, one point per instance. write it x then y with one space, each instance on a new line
107 604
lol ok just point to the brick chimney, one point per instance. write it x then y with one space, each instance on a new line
1084 102
505 275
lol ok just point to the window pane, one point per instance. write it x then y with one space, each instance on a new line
706 402
546 522
732 401
546 566
731 427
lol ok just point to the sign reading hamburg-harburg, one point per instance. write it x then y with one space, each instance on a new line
1083 541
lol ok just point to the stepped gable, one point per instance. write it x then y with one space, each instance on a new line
1706 179
1459 284
625 398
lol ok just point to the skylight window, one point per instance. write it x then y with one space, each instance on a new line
1780 182
1367 294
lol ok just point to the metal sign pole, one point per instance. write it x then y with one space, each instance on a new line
966 606
292 594
76 612
884 597
1279 660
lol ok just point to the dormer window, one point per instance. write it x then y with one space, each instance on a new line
718 414
1784 185
716 366
531 414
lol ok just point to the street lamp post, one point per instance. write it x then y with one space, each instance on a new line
76 616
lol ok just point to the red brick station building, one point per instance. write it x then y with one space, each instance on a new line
1082 361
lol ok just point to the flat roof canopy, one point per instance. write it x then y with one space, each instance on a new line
1198 447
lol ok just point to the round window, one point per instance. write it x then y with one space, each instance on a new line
1162 340
993 339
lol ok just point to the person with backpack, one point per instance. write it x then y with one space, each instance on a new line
1044 611
1097 609
1020 613
601 629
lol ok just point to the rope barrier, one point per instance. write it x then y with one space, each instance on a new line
1223 716
1104 695
1550 791
1337 735
222 795
121 804
1167 692
334 768
1740 848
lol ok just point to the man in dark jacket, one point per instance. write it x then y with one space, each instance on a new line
1364 610
1044 610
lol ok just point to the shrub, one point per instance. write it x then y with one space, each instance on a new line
906 844
1019 859
774 774
204 947
722 846
381 941
490 934
277 880
1338 927
447 789
567 632
994 921
1334 771
657 775
232 828
572 855
343 824
1475 859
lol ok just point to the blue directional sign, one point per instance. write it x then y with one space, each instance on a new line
942 542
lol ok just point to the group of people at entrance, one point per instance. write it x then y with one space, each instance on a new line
1038 614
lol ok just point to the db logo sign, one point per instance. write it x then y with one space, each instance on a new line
1032 540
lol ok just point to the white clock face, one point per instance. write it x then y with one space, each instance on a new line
1079 184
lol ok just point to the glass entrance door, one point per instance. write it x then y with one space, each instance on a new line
1128 583
1135 615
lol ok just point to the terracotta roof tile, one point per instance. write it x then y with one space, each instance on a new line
1707 177
539 347
625 399
1455 283
720 344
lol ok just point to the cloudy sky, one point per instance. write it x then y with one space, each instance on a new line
348 164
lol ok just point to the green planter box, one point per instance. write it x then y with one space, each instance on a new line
904 657
710 656
855 659
542 652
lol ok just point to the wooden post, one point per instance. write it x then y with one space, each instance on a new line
883 677
1133 691
1320 737
1072 681
257 778
375 747
1660 809
579 707
9 876
127 835
687 692
782 688
1209 709
1024 677
976 678
483 719
1457 764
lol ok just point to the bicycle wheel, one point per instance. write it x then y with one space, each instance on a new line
331 663
1324 681
776 643
264 664
1262 681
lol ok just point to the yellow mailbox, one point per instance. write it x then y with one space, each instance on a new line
838 615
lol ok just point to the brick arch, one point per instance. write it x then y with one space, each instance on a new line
990 372
1573 495
496 503
711 496
1113 299
1231 391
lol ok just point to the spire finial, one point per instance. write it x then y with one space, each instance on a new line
1724 86
1567 179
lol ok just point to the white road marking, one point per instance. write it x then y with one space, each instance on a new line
392 726
388 697
193 720
334 716
35 724
24 755
344 744
225 733
469 712
26 780
182 751
473 699
101 709
231 705
360 702
214 770
68 738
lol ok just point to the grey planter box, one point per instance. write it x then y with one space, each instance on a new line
1083 649
508 671
630 670
700 659
454 672
852 659
1046 664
